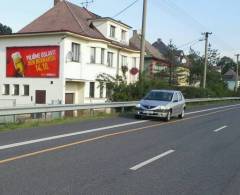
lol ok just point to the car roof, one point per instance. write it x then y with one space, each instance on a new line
165 90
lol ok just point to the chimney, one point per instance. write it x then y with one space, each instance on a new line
135 32
56 2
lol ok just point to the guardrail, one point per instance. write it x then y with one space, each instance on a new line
13 111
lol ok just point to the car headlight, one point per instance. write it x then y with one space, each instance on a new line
138 106
162 108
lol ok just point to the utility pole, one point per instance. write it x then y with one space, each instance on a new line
237 76
206 34
144 16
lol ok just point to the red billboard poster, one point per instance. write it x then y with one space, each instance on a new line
33 62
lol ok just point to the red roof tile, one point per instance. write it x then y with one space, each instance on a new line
65 16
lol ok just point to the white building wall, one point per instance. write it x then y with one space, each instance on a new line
54 91
83 72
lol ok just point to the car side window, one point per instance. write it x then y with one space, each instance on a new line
180 97
175 97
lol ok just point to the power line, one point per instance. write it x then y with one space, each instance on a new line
200 27
190 43
125 9
119 13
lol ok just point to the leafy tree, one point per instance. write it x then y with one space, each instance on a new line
213 56
197 65
226 63
173 57
4 30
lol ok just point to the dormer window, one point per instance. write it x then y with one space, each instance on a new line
112 31
124 35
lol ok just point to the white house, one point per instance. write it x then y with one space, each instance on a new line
58 57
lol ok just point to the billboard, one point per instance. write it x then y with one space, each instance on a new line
33 62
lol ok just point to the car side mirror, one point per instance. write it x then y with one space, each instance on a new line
175 101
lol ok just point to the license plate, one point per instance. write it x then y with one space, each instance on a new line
148 112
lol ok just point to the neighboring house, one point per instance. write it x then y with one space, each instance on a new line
155 64
57 57
182 75
230 78
179 63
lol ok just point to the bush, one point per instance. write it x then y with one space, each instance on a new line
135 91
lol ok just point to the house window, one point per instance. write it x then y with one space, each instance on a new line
15 89
110 59
93 55
6 89
134 62
102 56
124 61
112 31
75 52
92 90
124 35
26 90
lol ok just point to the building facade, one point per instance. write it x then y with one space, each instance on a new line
58 57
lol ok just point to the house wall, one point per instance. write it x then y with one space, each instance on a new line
88 72
104 27
54 86
232 84
74 77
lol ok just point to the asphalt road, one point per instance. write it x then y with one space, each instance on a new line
197 155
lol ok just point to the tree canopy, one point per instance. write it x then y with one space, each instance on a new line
226 63
5 30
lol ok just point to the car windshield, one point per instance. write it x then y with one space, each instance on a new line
159 96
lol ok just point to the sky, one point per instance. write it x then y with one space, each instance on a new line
181 21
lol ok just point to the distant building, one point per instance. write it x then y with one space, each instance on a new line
156 65
230 78
179 63
58 56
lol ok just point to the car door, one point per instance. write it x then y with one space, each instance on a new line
175 105
180 103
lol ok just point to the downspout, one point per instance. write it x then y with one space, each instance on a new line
118 61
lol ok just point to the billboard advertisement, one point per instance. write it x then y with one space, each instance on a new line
33 62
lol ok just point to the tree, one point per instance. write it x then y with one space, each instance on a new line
172 55
5 30
213 56
226 63
196 66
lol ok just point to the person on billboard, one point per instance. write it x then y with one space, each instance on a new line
18 64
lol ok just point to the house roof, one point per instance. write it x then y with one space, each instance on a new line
68 17
230 75
161 47
64 16
135 41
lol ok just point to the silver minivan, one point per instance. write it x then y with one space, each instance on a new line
163 104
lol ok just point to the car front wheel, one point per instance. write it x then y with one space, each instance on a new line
181 116
168 117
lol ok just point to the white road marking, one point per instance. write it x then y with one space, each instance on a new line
219 129
211 109
68 135
18 144
138 166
